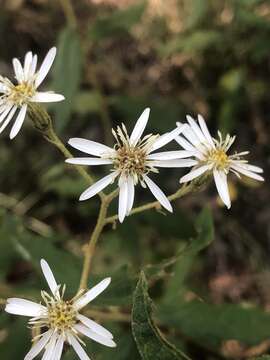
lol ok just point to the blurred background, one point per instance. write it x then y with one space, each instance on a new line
116 57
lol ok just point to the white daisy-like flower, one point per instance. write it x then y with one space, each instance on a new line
211 156
60 320
16 97
132 159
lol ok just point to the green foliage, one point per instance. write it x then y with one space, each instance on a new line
118 23
14 333
195 42
67 73
175 286
209 325
150 342
193 56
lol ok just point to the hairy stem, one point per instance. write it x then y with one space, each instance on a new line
43 123
90 249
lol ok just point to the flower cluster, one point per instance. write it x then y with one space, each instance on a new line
133 160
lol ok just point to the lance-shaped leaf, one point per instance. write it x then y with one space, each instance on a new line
150 342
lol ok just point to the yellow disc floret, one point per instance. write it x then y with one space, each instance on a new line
21 93
61 316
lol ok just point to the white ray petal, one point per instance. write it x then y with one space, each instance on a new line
170 155
158 193
24 307
246 172
8 119
88 161
3 88
166 138
195 173
123 198
197 131
27 64
90 147
18 122
92 294
48 274
38 346
97 328
98 186
5 112
47 97
45 66
249 167
139 127
33 66
222 187
174 163
58 348
131 194
18 69
205 130
94 336
77 347
191 136
50 348
184 143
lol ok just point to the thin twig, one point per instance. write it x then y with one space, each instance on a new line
185 189
109 315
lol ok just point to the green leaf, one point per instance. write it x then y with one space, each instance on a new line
120 290
117 23
67 75
264 357
196 12
150 342
16 339
32 248
210 325
197 41
88 102
205 235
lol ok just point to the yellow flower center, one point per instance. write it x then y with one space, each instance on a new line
22 92
61 316
131 161
219 157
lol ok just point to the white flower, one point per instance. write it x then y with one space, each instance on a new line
61 319
15 98
211 155
132 159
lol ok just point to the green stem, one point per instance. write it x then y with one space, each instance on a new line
89 252
109 315
185 189
43 123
